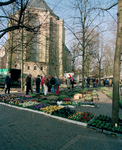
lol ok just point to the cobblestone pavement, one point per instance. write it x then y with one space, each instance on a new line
23 130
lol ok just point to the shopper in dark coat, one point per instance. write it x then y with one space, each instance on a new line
8 81
38 80
54 83
28 84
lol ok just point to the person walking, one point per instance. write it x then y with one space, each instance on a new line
88 82
59 82
72 82
49 85
46 82
42 84
8 81
54 84
38 80
93 82
28 84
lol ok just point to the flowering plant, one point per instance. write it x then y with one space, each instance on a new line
64 112
83 117
88 103
50 109
66 99
70 103
26 104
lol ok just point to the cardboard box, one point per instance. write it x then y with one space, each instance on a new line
80 95
76 96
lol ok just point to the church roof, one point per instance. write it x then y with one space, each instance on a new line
40 4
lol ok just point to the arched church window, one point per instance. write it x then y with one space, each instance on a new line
36 43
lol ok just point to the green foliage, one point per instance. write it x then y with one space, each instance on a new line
53 98
60 98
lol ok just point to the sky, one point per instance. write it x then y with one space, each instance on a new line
65 10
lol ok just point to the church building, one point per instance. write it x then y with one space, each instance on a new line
44 52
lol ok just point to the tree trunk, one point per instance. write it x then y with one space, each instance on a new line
99 74
22 60
83 58
11 45
116 72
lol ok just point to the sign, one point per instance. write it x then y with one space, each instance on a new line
67 75
4 71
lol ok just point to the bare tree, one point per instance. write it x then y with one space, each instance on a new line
83 28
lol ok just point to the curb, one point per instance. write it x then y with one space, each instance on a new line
39 112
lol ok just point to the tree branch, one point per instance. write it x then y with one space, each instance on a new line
7 3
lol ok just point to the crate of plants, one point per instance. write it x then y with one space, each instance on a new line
60 97
88 104
88 97
111 129
50 109
70 104
84 117
26 104
103 124
38 106
96 124
63 112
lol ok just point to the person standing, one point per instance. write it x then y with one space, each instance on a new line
38 80
8 81
46 81
88 82
28 84
42 84
72 82
93 82
59 82
54 84
68 83
49 85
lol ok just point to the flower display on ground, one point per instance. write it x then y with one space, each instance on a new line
83 117
50 109
88 103
37 107
64 112
71 103
26 104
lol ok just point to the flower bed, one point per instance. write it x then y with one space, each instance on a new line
64 112
50 109
104 124
76 103
37 107
26 104
83 117
88 104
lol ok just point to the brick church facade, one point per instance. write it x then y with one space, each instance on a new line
44 52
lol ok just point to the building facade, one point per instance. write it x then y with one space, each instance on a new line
44 52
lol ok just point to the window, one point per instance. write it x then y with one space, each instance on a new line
28 67
41 68
34 67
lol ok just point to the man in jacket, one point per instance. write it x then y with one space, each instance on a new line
59 82
54 84
28 84
38 80
8 81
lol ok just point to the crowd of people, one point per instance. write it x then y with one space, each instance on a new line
48 84
95 82
51 84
